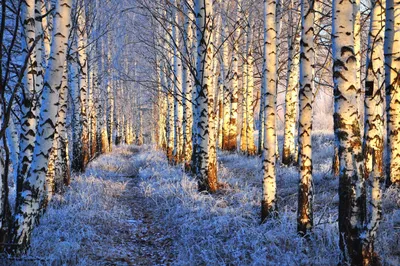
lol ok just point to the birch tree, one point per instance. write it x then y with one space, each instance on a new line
392 71
374 129
247 138
347 134
29 101
187 86
269 204
306 98
177 81
27 207
83 82
207 178
289 154
231 143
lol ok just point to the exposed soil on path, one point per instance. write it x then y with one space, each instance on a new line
146 241
115 224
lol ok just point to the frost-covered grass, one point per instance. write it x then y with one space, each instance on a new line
224 229
78 226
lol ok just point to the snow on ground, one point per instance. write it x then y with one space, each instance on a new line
224 229
102 219
132 208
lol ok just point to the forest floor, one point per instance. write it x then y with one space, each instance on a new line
103 219
132 208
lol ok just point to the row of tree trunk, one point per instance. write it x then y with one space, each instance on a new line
66 93
192 123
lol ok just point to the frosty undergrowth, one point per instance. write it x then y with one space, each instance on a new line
220 229
224 229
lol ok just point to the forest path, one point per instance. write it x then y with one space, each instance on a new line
146 242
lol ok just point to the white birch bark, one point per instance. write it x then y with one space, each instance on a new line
373 145
83 84
177 81
109 94
187 88
205 175
234 83
27 208
347 134
306 98
392 76
225 79
249 91
269 204
289 154
29 101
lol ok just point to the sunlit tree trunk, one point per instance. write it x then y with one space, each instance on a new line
163 105
103 142
170 124
306 98
83 84
234 84
373 145
269 204
247 139
392 75
224 80
27 208
187 88
177 82
109 97
347 134
289 154
91 111
204 170
58 172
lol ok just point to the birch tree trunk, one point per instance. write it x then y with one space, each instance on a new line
109 96
225 78
77 128
177 81
232 137
103 142
205 175
62 165
392 75
83 85
187 88
347 134
27 208
170 126
29 101
268 204
373 145
289 154
306 98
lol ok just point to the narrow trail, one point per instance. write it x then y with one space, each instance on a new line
145 242
103 219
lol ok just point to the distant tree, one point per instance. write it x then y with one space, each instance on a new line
392 71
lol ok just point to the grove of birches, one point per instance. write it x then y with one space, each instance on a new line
200 81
